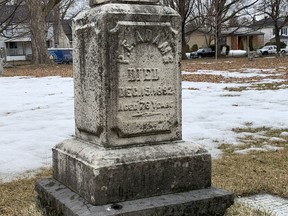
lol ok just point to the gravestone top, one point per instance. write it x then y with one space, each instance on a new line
93 3
132 97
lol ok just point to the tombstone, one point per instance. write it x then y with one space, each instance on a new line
1 65
128 157
2 58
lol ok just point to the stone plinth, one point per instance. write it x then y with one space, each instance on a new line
104 176
210 201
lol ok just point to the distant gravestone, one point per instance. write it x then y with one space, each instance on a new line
128 157
2 58
1 65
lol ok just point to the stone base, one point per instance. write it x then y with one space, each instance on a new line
56 199
102 176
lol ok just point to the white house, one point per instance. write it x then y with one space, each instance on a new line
16 39
267 27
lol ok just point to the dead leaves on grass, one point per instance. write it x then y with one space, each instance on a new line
279 69
230 64
63 70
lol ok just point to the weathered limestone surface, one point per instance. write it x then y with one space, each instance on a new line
104 176
128 153
127 75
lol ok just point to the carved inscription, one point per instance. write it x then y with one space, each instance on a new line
147 87
145 91
158 39
143 74
149 105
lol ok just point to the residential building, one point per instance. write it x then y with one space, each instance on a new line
16 39
235 38
243 38
266 26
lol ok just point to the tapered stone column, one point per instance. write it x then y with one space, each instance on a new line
128 157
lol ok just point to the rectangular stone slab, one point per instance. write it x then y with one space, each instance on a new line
104 176
57 199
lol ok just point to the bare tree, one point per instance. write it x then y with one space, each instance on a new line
277 11
65 9
208 15
218 14
39 11
185 8
71 8
9 9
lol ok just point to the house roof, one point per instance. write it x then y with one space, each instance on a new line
20 14
266 22
67 28
19 39
239 31
263 23
242 31
17 13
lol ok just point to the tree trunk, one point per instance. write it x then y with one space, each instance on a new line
38 30
183 40
218 25
277 38
57 26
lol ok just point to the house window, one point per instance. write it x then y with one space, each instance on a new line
12 45
284 31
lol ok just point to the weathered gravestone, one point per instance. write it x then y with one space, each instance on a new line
1 65
128 157
2 58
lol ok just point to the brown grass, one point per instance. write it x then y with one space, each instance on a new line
17 198
63 70
280 64
242 210
259 172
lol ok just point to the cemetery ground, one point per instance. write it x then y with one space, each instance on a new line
234 107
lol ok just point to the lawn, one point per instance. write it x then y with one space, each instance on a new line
236 108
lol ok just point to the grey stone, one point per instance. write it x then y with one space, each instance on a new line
56 199
1 65
127 75
104 176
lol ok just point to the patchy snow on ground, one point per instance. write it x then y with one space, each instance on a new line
228 74
210 113
244 73
37 113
